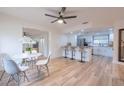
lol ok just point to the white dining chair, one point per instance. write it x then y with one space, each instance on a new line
14 70
44 63
2 56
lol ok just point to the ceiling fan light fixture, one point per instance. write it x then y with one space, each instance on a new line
60 21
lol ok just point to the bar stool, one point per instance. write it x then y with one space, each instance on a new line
65 48
82 54
72 52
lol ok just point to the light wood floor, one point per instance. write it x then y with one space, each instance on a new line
100 72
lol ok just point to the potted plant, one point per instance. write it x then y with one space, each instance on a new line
29 49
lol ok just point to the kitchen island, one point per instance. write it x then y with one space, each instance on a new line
83 54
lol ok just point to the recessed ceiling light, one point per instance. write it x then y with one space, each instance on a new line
82 30
111 29
71 32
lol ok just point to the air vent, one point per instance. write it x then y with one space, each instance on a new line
85 23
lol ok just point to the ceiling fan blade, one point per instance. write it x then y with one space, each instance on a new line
54 21
64 21
63 9
51 16
67 17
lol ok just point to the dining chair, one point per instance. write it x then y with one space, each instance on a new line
44 63
33 58
2 56
1 69
30 59
14 71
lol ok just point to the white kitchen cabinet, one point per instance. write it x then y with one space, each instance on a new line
103 51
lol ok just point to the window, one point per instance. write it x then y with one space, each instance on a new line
101 40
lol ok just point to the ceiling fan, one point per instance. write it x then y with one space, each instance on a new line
60 18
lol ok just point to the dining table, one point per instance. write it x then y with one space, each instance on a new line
24 57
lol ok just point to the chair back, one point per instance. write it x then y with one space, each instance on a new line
2 56
48 58
10 67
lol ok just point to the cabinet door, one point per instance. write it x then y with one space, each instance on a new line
95 51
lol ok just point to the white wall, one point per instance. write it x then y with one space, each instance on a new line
55 44
63 40
10 33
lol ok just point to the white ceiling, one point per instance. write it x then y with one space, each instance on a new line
95 16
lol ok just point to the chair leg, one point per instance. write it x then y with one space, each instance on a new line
37 68
32 64
18 82
17 78
2 75
25 76
47 70
13 78
9 80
